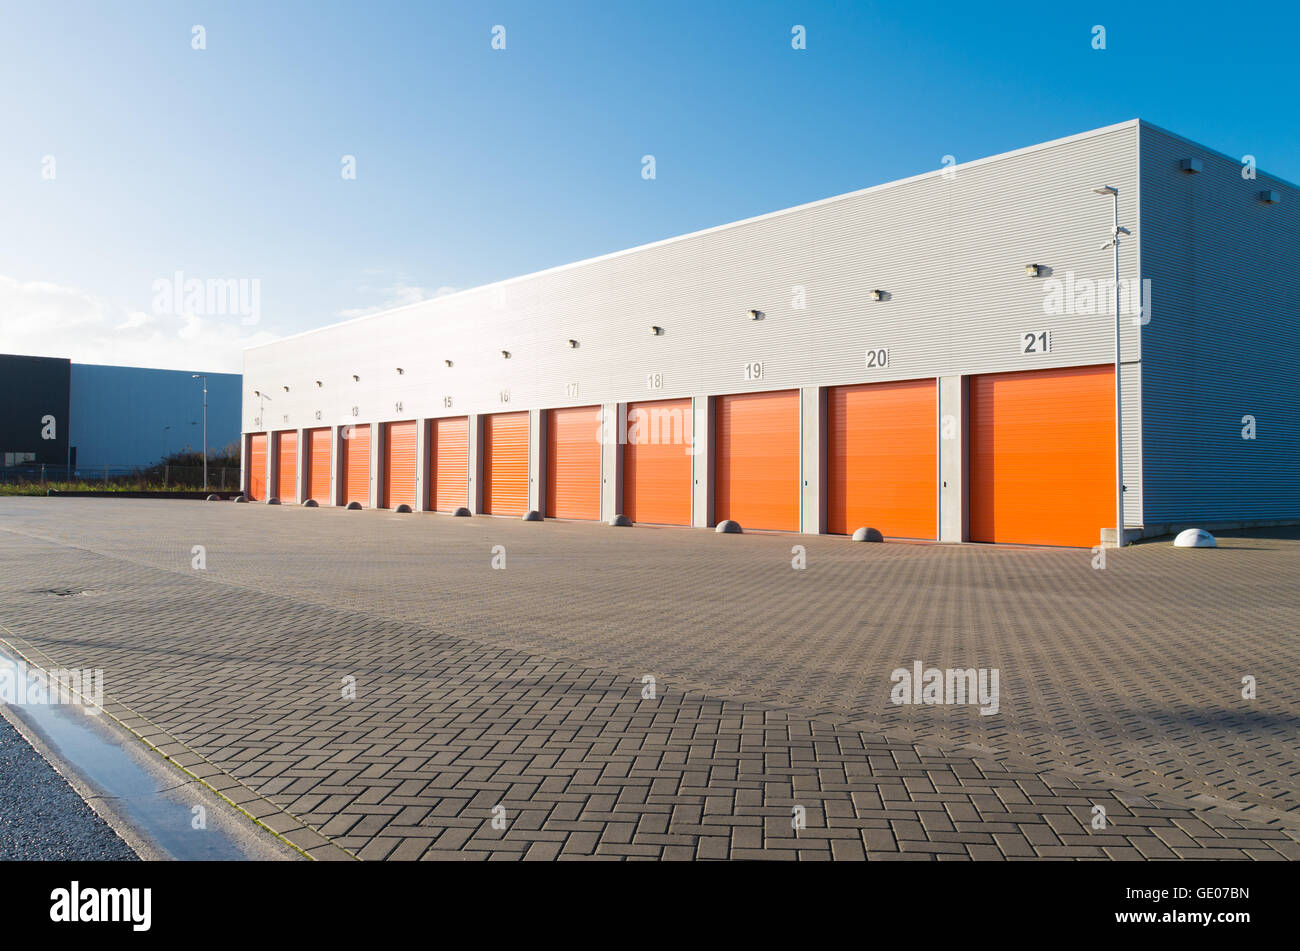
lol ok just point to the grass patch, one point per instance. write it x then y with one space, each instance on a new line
36 488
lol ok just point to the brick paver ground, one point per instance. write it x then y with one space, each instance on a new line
522 688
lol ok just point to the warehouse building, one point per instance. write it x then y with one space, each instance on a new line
80 419
933 358
34 426
125 415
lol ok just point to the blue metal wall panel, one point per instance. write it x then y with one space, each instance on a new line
118 414
1223 341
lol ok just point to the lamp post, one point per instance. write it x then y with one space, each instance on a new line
261 414
261 405
203 377
1116 231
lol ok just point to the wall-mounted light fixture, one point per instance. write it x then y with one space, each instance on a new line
319 383
1270 197
400 371
573 345
657 331
1190 165
286 389
448 362
1033 270
505 354
756 315
355 378
877 295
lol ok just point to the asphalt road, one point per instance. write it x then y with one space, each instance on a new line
41 817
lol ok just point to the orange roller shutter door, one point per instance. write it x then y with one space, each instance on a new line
657 474
355 464
573 462
286 460
449 466
317 465
257 467
1042 456
399 464
882 458
505 464
756 461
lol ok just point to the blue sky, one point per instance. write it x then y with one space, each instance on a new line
476 164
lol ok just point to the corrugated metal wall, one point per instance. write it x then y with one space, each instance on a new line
1223 341
118 414
950 253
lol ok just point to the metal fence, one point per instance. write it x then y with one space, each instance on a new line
156 476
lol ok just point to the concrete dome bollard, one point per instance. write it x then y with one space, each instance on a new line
1195 538
240 498
273 501
461 512
532 515
865 534
356 506
213 498
310 504
620 521
403 508
729 527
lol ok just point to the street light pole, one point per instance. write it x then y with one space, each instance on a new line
1116 231
261 414
203 377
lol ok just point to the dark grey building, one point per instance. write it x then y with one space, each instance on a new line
95 419
34 400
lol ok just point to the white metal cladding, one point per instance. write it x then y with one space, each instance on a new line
950 254
1134 476
949 251
1224 338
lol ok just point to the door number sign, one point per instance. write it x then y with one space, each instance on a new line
1036 341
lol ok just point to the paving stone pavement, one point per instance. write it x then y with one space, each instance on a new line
522 688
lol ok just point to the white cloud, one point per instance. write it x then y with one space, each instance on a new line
396 295
135 319
49 320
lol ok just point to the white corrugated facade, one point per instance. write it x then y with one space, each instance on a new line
947 248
